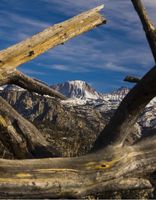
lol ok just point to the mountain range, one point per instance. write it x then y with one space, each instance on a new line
80 95
81 90
73 125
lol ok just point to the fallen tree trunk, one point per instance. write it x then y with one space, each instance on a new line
110 170
115 167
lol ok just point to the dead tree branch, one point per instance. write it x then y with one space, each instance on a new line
18 78
18 54
131 79
128 112
148 26
17 134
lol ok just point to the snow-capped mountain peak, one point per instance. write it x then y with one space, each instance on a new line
77 89
116 95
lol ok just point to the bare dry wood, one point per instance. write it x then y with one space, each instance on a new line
18 54
17 134
148 26
18 78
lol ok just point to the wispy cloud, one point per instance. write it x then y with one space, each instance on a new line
113 67
33 72
21 27
88 54
106 51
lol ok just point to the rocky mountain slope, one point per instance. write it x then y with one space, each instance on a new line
73 125
81 95
77 89
71 132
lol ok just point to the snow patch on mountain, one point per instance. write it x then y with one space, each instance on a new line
13 88
1 88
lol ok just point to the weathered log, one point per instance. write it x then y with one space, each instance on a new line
21 137
18 54
148 26
18 78
110 170
132 79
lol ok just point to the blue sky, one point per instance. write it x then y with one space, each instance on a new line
102 57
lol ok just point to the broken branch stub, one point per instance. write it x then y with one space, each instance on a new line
131 79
